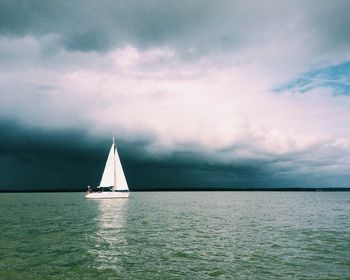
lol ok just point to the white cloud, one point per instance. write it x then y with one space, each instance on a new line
203 104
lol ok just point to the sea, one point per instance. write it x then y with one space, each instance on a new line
176 235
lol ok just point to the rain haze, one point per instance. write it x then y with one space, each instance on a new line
199 94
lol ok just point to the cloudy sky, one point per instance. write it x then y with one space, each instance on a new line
198 93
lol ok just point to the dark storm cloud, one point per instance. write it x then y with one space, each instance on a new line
117 55
87 25
34 159
190 26
92 26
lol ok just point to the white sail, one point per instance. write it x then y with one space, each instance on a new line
120 180
108 173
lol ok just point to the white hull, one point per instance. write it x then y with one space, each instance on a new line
107 195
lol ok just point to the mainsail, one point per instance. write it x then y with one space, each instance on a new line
120 180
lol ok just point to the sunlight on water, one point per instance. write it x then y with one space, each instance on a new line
110 242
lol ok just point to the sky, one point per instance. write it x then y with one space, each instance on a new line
199 94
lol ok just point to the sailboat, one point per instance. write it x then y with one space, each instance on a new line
113 183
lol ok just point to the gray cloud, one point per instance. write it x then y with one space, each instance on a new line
71 71
211 144
330 23
87 25
190 26
33 158
71 159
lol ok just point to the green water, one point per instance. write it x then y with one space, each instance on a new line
176 235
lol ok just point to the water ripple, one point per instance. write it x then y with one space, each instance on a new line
232 235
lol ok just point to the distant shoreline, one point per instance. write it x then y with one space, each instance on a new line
206 189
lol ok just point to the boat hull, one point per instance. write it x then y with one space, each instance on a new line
107 195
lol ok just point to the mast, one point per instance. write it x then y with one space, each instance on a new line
114 171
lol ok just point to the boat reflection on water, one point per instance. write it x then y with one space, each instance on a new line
109 240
